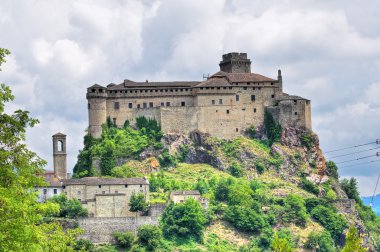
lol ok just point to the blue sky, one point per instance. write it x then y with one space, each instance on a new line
328 51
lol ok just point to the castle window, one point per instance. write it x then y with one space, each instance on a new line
228 111
151 91
167 104
253 97
161 90
224 88
60 145
135 91
176 90
130 105
245 88
220 101
45 191
171 90
272 95
144 105
295 102
162 104
216 111
254 88
116 105
237 97
166 90
146 91
295 113
307 102
116 191
63 187
230 87
237 130
114 121
151 104
138 105
201 88
183 104
55 191
141 91
93 90
259 88
79 192
218 88
213 102
254 110
272 83
207 88
125 185
181 90
140 185
243 109
100 186
248 83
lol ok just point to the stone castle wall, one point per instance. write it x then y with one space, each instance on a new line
100 230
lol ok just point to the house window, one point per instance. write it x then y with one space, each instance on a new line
272 95
220 101
213 102
295 113
45 191
237 97
151 104
130 105
228 111
245 88
183 104
162 104
253 98
116 105
144 105
140 185
138 105
63 187
254 110
125 186
100 186
55 191
114 121
167 104
237 130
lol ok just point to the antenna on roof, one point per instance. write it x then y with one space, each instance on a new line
206 76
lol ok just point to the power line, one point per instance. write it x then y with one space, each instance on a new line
354 152
373 161
355 146
351 160
370 204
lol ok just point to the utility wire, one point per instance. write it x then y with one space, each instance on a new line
351 160
353 153
374 192
373 161
355 146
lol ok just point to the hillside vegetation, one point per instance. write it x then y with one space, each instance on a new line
276 194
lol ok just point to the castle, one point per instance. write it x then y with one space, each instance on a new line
224 105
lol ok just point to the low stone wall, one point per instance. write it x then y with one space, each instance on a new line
100 229
156 210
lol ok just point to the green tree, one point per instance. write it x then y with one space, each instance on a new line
21 227
84 245
244 218
320 242
281 244
149 236
294 210
124 240
332 169
236 170
184 219
350 186
137 203
353 241
69 208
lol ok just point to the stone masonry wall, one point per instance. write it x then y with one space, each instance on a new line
100 230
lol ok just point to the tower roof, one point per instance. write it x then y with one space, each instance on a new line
59 134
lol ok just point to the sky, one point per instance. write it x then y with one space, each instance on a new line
328 51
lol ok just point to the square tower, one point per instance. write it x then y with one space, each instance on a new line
235 63
59 155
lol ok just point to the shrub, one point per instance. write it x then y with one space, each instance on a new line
281 244
333 222
137 203
83 245
265 239
307 140
69 208
309 186
124 240
311 203
125 171
202 186
294 210
353 241
244 218
167 160
236 170
260 167
320 242
330 195
222 188
149 236
184 219
251 132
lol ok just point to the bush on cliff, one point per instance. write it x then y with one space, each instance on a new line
273 130
149 236
69 208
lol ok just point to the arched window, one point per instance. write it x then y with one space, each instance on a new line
60 145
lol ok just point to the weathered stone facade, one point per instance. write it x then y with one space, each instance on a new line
224 105
105 197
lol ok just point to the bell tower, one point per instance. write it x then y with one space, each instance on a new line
59 155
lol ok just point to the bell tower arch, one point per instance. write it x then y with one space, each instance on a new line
60 155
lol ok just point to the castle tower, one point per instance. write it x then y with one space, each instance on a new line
235 63
97 109
59 155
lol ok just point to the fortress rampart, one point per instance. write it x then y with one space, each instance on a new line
224 105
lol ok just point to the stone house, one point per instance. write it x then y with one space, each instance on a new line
52 188
181 196
105 197
224 104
